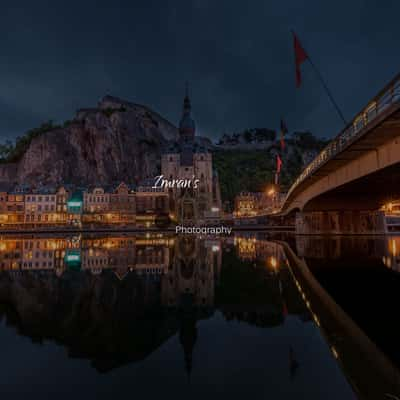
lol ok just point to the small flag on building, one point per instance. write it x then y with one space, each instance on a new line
300 56
278 164
283 133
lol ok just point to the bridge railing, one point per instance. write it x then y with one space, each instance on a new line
385 98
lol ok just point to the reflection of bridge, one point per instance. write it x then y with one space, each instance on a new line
369 370
342 189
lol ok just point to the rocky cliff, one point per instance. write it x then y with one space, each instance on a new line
116 141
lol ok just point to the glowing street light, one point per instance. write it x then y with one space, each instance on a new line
273 261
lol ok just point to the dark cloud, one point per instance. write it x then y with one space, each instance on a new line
58 56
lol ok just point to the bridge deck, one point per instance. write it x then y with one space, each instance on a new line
378 123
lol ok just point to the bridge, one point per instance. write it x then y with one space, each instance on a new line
344 187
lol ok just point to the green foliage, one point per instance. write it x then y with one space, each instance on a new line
110 111
13 153
306 140
241 170
67 123
252 170
249 136
5 149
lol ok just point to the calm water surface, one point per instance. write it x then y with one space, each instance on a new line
148 316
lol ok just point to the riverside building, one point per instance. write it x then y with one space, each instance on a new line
188 159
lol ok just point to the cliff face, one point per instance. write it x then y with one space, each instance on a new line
117 141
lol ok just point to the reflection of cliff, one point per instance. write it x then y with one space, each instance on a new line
115 300
110 307
99 317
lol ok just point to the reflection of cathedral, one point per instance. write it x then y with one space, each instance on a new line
124 296
193 273
188 159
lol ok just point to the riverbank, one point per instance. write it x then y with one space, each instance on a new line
133 229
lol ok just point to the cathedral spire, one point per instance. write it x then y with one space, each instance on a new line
187 125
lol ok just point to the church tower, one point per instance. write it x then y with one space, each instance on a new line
188 159
187 126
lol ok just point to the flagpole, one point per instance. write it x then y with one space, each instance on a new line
325 86
328 92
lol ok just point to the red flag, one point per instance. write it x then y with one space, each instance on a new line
300 56
283 132
278 164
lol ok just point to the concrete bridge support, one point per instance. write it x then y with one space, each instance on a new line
340 222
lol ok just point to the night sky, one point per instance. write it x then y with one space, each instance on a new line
56 57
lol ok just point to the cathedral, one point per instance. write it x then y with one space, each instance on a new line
189 159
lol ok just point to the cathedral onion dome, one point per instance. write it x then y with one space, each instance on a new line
187 126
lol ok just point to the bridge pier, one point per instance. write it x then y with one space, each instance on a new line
340 222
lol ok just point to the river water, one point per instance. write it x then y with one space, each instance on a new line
150 316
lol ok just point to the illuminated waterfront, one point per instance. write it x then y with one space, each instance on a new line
199 317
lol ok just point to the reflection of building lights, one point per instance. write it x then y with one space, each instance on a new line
74 204
334 352
387 261
393 247
52 245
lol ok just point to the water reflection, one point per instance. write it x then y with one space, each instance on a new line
211 309
351 284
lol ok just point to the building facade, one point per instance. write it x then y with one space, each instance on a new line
41 207
96 205
188 160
